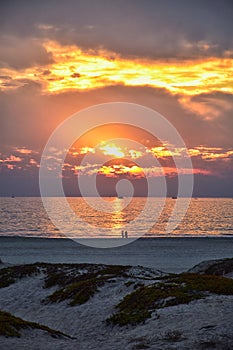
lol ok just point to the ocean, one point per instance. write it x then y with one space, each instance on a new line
205 233
206 217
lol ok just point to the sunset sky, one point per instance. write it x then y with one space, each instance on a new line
58 57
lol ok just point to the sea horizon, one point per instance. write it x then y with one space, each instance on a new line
113 196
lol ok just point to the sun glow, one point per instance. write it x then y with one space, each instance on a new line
112 150
123 157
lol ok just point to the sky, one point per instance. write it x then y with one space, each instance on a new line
58 57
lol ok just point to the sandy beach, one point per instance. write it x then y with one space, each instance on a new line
166 254
81 300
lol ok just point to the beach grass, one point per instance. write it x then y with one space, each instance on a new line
172 290
80 288
10 326
77 283
9 275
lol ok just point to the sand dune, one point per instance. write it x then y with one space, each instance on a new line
42 293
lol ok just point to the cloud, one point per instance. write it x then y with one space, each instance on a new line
122 165
162 28
211 153
209 105
20 53
75 75
18 159
57 58
12 159
5 77
103 68
46 72
23 150
18 127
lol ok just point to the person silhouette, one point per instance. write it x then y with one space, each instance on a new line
122 234
126 234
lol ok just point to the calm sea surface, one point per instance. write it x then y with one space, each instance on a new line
205 217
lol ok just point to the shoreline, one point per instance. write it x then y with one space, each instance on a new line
133 238
169 254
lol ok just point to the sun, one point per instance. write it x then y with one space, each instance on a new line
112 150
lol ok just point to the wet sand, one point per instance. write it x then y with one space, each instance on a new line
166 254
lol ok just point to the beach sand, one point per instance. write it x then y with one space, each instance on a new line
166 254
204 323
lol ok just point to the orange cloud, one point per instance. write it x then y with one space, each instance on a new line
82 150
33 162
75 69
13 158
115 170
210 153
163 152
134 154
120 166
23 150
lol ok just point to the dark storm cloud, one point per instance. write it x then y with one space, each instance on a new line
159 29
